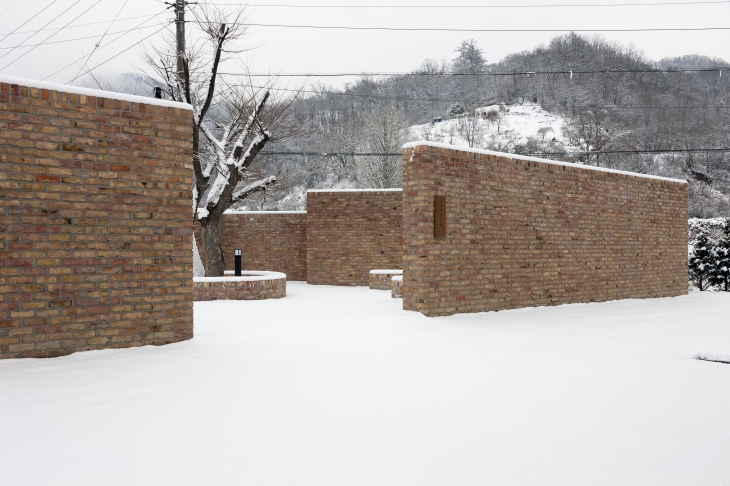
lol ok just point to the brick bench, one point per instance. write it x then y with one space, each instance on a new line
396 289
251 285
380 279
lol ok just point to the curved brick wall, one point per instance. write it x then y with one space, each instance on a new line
256 286
95 221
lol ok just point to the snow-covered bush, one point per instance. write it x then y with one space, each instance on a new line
456 109
721 261
709 253
700 262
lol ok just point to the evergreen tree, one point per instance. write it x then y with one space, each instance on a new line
721 265
701 262
456 109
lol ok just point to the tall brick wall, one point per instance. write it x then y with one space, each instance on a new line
350 233
269 240
525 232
95 221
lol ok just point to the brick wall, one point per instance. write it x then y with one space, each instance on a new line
524 232
207 288
95 221
269 240
350 233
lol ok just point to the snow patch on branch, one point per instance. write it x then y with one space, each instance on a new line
260 185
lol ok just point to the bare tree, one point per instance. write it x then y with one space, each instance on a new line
542 131
236 121
590 130
383 133
471 129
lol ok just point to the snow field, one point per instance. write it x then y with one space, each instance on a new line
339 385
519 123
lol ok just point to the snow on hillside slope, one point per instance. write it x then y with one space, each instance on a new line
518 124
340 386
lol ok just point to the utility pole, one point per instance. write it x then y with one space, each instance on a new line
180 33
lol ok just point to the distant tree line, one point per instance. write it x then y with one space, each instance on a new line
606 111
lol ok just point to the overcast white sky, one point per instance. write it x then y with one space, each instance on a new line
304 50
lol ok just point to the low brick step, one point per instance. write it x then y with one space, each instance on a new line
396 286
380 278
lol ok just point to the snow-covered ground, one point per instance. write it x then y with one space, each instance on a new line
518 124
339 386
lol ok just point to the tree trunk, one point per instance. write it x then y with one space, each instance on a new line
214 264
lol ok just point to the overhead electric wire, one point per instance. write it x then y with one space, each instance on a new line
484 103
96 46
33 35
559 5
513 73
46 39
118 54
87 37
123 33
399 154
9 7
454 29
34 16
87 24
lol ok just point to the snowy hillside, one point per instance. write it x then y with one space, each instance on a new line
502 129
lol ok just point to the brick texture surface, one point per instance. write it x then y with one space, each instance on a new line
271 241
247 290
382 281
396 289
350 233
525 233
95 225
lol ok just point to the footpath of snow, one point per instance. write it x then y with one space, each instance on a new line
339 386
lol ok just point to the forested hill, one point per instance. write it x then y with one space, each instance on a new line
611 98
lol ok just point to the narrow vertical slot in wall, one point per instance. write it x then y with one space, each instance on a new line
439 216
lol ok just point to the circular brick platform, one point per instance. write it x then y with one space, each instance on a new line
251 285
380 279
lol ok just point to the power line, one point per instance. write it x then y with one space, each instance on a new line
282 5
9 7
49 23
447 29
117 54
85 38
124 32
602 152
86 25
96 46
46 39
483 102
566 72
36 15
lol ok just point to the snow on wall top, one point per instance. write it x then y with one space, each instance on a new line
32 83
413 145
246 276
233 211
355 190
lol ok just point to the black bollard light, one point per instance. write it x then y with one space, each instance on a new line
238 263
